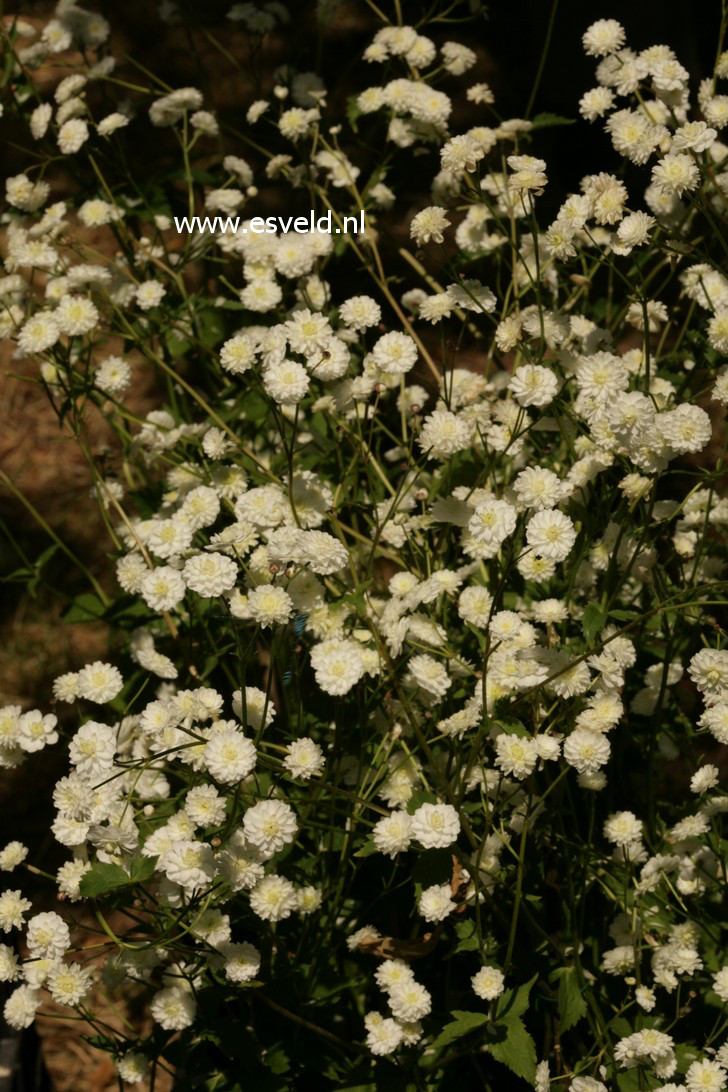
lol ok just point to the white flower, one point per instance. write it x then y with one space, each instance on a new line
709 670
228 755
634 230
430 675
132 1067
269 605
474 605
149 294
286 381
308 899
586 750
76 315
40 120
383 1034
189 864
533 385
493 521
443 433
274 898
537 487
551 534
516 755
173 1008
242 961
92 749
528 173
623 828
39 333
706 1076
435 826
395 353
409 1001
113 375
12 855
72 135
603 37
676 173
99 682
68 983
110 124
436 903
47 936
210 574
360 312
686 428
304 759
270 825
35 731
162 588
238 354
12 910
393 833
429 224
720 983
9 966
705 778
488 983
20 1007
338 666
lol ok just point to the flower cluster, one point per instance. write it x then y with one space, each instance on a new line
409 568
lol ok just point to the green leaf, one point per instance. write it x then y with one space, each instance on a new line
572 1005
255 408
514 1002
211 327
463 1023
176 344
102 878
550 121
353 112
85 608
366 850
512 728
624 615
594 619
517 1049
468 936
142 869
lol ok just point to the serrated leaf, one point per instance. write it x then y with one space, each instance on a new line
85 608
594 619
102 878
550 121
366 850
572 1005
142 869
516 1050
514 1002
463 1023
512 728
467 934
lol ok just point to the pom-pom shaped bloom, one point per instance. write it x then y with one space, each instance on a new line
269 826
210 574
488 983
551 534
435 826
228 755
